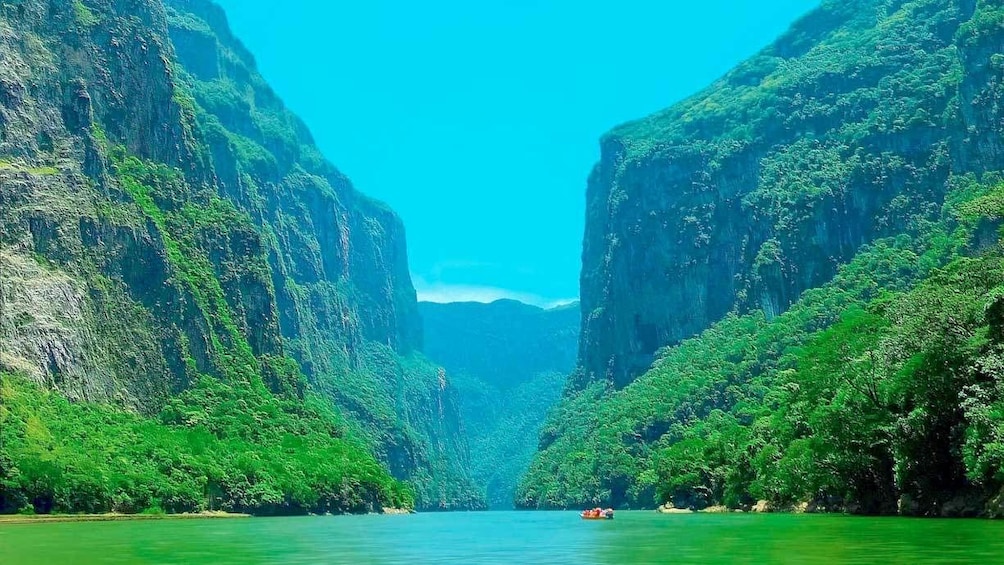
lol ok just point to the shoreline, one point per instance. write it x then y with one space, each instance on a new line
114 517
118 517
759 508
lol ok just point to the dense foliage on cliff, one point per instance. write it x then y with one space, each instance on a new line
747 194
508 362
875 393
855 153
239 450
179 261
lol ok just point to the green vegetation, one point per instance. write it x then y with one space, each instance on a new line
201 316
355 347
216 447
85 17
243 438
850 360
181 230
44 171
388 400
502 426
838 402
749 193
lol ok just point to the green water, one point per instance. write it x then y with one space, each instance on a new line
511 538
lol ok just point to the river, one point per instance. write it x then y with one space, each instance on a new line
516 538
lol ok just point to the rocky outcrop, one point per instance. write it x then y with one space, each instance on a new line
61 74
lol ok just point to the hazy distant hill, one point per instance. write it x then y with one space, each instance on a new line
508 361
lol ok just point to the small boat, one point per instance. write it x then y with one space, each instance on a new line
597 514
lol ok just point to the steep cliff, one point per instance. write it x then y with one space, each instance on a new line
173 245
508 362
760 187
790 281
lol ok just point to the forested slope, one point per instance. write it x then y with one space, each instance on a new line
790 281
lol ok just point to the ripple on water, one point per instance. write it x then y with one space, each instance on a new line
512 538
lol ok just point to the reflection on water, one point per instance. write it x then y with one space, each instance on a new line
511 538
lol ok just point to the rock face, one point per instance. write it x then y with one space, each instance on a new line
327 233
509 362
162 214
747 194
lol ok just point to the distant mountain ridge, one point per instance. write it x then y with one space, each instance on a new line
467 337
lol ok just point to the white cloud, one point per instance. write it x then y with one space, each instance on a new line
445 293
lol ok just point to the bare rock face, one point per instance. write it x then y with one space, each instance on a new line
757 189
60 77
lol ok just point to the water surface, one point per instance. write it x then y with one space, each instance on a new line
510 538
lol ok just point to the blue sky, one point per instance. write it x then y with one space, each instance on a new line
478 120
